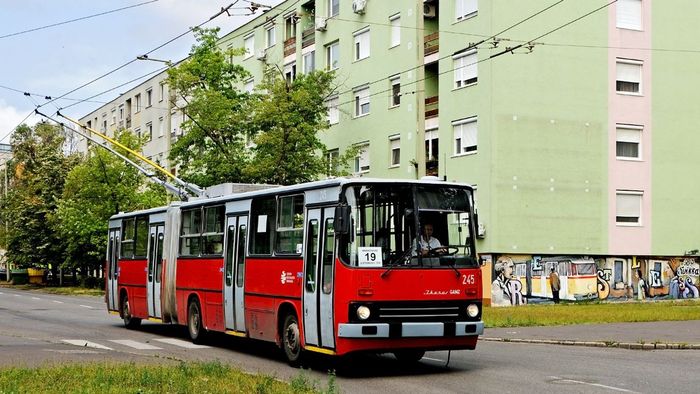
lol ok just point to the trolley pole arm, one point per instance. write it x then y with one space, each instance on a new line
168 186
196 190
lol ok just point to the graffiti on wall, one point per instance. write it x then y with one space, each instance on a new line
519 277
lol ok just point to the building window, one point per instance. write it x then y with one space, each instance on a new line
332 56
361 101
465 70
270 36
114 116
104 126
290 26
395 22
464 135
362 159
138 102
629 76
161 127
149 131
628 140
249 85
332 156
432 145
249 45
395 150
629 14
628 209
619 264
395 83
333 7
149 97
290 72
161 92
137 131
362 44
309 60
333 112
465 9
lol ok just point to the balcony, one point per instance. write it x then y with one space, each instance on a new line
431 107
308 37
431 43
290 46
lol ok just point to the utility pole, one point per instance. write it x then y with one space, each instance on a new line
420 91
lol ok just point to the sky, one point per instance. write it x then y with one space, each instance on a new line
56 60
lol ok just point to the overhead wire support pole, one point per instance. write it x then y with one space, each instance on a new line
196 190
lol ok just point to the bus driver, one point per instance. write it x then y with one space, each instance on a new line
428 243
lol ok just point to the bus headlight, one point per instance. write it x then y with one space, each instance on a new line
473 310
363 312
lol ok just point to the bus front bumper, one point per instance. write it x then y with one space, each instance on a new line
410 330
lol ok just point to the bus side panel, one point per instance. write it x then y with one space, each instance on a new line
269 283
203 276
132 276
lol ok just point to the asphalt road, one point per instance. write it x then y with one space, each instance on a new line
38 328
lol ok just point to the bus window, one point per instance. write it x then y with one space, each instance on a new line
327 262
240 260
213 236
141 246
290 224
190 232
311 255
128 235
263 218
230 242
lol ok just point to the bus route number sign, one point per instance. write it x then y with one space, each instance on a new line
369 256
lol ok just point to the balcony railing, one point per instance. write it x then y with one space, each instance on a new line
308 37
290 46
431 107
432 43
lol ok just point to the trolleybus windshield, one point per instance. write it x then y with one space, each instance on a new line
388 226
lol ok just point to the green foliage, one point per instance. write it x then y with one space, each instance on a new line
38 168
282 118
100 186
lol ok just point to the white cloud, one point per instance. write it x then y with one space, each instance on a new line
10 118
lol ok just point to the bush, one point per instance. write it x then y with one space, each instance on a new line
91 282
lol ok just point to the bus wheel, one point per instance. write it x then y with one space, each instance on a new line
129 321
194 322
291 340
409 355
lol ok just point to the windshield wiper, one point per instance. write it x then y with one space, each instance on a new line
392 265
453 266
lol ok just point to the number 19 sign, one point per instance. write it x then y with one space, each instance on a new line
369 256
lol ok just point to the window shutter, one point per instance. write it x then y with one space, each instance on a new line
629 205
469 134
629 135
469 71
470 6
629 72
629 14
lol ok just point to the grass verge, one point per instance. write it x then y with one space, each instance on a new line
590 313
210 377
65 290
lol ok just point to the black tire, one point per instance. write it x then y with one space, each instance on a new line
291 341
409 355
194 322
130 322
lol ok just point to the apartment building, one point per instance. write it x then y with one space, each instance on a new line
575 134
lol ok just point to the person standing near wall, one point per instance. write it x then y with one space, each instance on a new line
641 286
555 284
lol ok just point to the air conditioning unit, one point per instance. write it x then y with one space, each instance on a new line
261 54
321 24
359 6
429 10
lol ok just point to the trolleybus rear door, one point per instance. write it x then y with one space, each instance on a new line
112 269
155 269
234 270
318 278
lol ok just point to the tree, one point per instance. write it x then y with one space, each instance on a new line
100 186
39 168
283 119
212 149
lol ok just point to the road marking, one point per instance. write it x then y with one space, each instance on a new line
1 293
17 295
135 344
36 298
562 380
87 306
58 302
84 343
181 343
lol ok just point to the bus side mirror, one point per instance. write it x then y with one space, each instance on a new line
341 221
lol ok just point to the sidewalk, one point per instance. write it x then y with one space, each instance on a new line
646 336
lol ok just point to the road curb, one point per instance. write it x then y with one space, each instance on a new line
610 344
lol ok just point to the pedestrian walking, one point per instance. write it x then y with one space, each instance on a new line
555 284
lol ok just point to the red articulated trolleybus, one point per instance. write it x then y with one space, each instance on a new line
333 267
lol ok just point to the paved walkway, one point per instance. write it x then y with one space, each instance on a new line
647 335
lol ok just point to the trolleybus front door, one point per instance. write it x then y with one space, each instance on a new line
318 278
112 270
155 269
234 272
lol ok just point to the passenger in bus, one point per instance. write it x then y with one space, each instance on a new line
428 244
